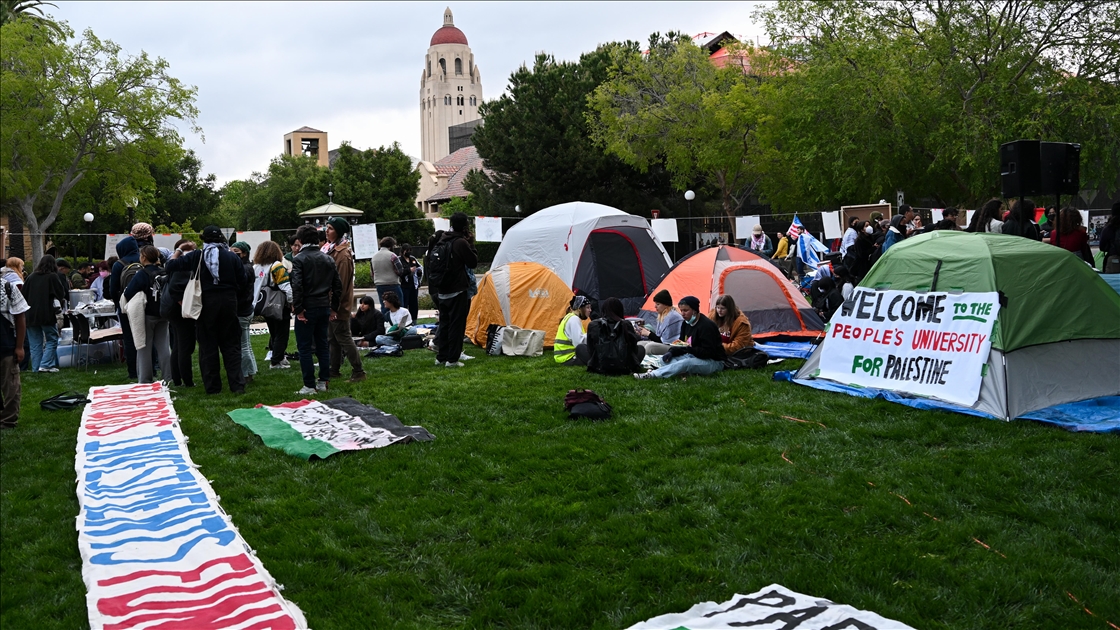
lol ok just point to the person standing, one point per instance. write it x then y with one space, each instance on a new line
570 333
316 292
759 243
341 343
1020 221
1071 235
45 292
387 271
156 331
222 278
704 353
454 303
410 282
268 265
73 277
128 252
245 300
13 330
850 235
183 330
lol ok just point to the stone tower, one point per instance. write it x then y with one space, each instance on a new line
450 88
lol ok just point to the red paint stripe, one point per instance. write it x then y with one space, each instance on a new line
237 563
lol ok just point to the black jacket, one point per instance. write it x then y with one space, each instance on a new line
144 282
315 281
598 332
245 297
706 342
231 273
41 290
463 255
128 251
367 324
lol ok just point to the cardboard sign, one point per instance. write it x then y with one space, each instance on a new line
441 225
364 240
488 229
929 344
166 240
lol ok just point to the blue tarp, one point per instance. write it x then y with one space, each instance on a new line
1099 415
786 349
1112 280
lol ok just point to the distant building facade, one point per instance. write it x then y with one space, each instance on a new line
442 180
307 142
450 89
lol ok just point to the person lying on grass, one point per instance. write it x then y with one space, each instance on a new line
704 352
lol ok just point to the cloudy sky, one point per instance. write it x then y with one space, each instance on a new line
353 69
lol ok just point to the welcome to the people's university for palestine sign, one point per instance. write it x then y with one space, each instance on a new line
929 344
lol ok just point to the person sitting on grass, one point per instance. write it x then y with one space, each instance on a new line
367 322
704 352
734 327
399 322
570 333
669 321
612 345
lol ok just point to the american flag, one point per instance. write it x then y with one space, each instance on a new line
795 228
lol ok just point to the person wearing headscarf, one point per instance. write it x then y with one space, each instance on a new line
570 333
600 353
703 354
759 242
222 278
338 331
669 321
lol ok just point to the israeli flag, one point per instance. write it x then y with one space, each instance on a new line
809 250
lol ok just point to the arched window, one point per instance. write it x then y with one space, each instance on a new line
458 66
442 66
429 67
447 99
474 101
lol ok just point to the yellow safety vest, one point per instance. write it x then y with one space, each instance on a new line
562 348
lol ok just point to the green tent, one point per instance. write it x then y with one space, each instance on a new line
1057 338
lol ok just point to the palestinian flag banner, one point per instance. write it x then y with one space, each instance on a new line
157 549
772 608
310 428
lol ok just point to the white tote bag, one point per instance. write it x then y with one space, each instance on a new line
192 294
522 342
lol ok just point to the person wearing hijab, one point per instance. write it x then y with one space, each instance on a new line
703 354
222 277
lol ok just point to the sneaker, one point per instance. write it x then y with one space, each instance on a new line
268 356
465 357
306 391
321 386
455 364
644 375
438 362
358 377
279 366
284 363
48 370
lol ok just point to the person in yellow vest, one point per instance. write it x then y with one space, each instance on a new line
570 333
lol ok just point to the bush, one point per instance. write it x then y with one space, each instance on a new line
425 303
363 274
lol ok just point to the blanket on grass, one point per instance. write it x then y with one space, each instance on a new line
157 549
771 608
310 428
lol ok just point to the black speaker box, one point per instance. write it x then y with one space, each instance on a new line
1061 168
1020 168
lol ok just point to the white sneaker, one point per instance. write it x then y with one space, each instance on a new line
321 386
465 357
284 362
279 366
455 364
48 370
438 362
306 391
268 356
644 375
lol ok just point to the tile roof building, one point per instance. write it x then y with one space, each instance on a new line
442 180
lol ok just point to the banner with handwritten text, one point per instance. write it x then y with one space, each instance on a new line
929 344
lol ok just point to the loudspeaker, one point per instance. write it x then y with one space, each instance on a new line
1061 168
1020 168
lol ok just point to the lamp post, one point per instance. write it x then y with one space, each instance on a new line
689 196
517 209
88 217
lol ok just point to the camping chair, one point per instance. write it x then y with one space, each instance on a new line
80 340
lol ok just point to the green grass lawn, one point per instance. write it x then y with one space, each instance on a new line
516 517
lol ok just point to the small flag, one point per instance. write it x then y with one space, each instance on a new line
808 250
795 228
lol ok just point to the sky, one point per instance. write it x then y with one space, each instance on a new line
352 69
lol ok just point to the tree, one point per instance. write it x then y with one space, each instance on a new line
537 143
671 106
69 111
31 11
383 184
181 194
273 200
918 95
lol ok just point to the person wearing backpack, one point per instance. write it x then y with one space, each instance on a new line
448 280
183 330
704 352
268 265
156 328
612 344
13 331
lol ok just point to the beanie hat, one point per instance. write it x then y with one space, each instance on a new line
663 297
691 301
340 225
142 231
62 262
243 246
212 234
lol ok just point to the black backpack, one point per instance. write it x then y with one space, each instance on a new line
439 263
611 349
159 289
130 270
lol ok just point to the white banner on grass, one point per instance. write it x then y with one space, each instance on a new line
254 239
364 238
488 229
772 608
929 344
157 550
744 226
832 227
111 241
166 240
665 230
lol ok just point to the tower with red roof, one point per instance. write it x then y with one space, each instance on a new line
450 88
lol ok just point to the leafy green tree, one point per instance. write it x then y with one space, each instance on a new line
30 11
538 147
671 106
918 95
467 205
69 111
273 200
383 184
182 194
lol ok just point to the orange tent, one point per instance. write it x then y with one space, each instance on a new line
773 305
523 294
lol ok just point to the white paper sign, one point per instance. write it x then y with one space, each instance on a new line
254 239
440 224
832 224
930 344
1084 217
364 240
166 240
488 229
937 214
111 241
665 230
968 216
744 226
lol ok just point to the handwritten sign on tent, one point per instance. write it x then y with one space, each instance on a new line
364 239
488 229
665 230
254 238
111 241
929 344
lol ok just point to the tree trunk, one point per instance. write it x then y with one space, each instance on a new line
27 206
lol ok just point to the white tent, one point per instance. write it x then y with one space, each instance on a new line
595 249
